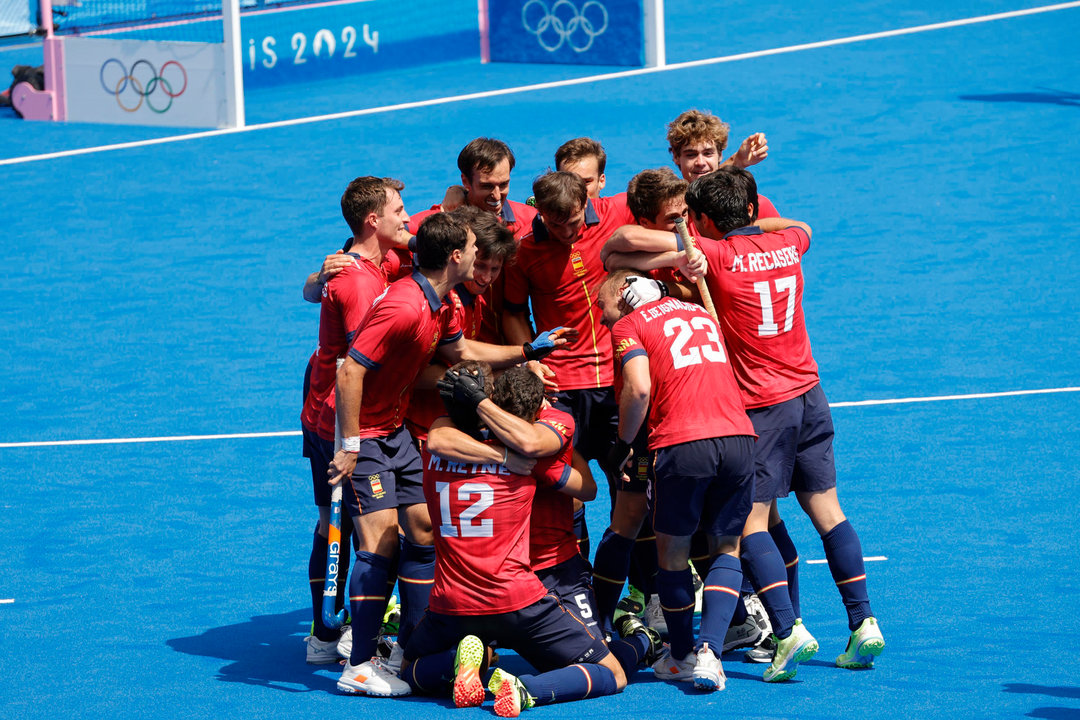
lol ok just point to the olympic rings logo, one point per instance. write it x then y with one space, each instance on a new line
564 23
142 83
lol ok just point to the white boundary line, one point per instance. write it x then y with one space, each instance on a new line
548 85
872 558
7 601
295 433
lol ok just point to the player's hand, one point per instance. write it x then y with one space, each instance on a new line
753 150
546 375
333 264
546 342
465 389
617 456
639 290
519 464
694 267
453 199
341 466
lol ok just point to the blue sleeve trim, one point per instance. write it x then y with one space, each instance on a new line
633 354
563 478
562 440
364 359
453 338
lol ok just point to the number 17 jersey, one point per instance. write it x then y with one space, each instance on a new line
693 392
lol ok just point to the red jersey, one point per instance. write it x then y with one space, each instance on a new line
757 284
480 518
693 392
426 405
562 283
346 299
551 538
765 207
395 342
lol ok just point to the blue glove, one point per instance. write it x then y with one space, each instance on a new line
543 345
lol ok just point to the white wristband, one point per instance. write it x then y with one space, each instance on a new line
506 455
351 444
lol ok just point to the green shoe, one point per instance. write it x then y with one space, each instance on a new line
510 695
633 603
865 644
468 687
797 647
392 617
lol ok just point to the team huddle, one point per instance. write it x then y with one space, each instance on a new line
460 437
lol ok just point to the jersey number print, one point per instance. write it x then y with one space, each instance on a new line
768 325
466 525
682 352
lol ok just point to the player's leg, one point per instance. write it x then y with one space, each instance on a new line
789 554
416 569
814 481
766 568
613 552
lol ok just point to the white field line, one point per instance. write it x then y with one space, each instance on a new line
872 558
547 85
7 601
294 433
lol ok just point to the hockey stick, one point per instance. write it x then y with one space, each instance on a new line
331 619
692 253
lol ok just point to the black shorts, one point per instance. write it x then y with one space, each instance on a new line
319 453
794 450
571 582
704 483
388 474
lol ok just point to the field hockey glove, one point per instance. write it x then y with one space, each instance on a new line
543 345
639 291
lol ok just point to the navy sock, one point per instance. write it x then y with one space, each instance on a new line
576 682
643 561
844 553
770 579
609 574
699 553
676 591
432 674
581 530
316 581
367 602
416 574
790 556
718 601
630 652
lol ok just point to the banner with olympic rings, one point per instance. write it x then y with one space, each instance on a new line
575 32
137 82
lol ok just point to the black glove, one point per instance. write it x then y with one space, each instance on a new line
616 458
469 390
462 413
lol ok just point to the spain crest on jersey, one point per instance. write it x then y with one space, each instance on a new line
577 263
376 486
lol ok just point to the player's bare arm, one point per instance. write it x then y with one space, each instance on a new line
503 356
449 443
777 224
532 439
332 265
753 150
349 393
634 399
581 485
635 238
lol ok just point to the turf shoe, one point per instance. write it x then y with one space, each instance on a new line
699 590
511 697
321 652
763 652
633 603
865 644
344 643
669 668
392 617
708 672
629 625
372 678
797 647
468 687
752 630
654 615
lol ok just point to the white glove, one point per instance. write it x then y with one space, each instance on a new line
639 291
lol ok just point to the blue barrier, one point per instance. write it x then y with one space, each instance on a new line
589 32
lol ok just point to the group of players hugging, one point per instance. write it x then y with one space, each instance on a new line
464 437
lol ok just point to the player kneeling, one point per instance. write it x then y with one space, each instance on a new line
484 588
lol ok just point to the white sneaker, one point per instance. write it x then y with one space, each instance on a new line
654 615
344 643
708 672
372 678
321 652
397 654
668 668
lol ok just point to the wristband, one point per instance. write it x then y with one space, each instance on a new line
351 444
506 455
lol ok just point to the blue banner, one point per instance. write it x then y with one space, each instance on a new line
574 32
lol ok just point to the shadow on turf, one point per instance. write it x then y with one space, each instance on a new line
1050 713
1044 95
267 650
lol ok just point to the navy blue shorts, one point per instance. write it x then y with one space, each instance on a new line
571 582
545 634
596 419
704 483
388 474
794 450
319 453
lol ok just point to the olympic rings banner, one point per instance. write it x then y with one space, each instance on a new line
576 32
137 82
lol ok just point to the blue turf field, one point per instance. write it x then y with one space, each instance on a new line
155 291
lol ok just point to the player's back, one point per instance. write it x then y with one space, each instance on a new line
693 392
757 284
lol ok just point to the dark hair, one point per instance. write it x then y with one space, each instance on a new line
483 154
494 241
560 194
519 392
576 150
722 196
650 189
438 236
366 195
